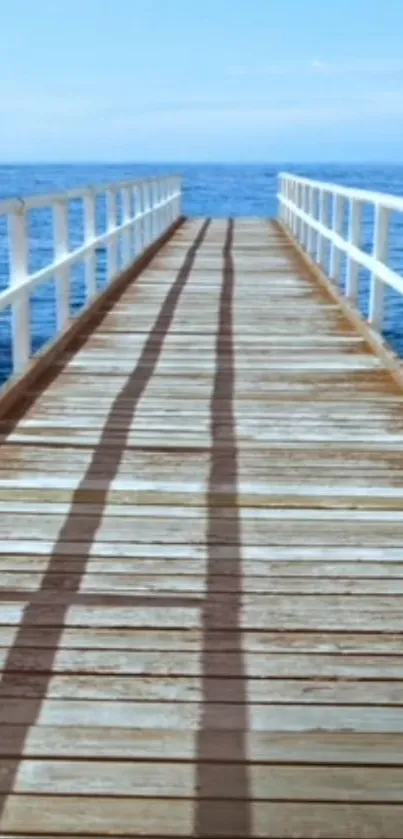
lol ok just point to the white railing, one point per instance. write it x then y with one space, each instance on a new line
315 214
147 208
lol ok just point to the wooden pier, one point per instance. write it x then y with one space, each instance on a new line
201 559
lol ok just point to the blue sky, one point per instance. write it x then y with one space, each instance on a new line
201 80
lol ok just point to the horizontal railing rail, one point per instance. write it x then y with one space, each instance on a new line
314 212
136 214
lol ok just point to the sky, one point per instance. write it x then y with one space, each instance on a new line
201 80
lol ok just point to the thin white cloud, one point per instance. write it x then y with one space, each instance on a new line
268 70
349 104
341 66
272 109
216 117
319 65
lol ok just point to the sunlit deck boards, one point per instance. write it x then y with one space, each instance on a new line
202 567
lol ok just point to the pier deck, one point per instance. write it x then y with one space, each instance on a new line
201 528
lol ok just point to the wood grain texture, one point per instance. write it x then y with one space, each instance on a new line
157 817
201 567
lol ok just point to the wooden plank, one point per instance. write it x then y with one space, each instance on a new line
187 715
175 780
195 583
272 612
153 554
194 553
263 575
309 747
307 459
120 502
143 616
160 513
161 818
225 664
291 578
187 526
187 689
191 640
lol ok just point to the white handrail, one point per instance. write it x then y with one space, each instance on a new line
314 211
366 196
35 202
148 208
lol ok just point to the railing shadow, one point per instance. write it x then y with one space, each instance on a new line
223 817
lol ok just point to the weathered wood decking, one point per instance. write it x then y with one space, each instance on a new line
202 565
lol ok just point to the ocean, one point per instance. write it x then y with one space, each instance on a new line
215 190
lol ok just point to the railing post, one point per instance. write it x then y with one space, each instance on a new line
157 209
111 226
89 235
298 221
290 219
151 208
380 252
143 222
150 216
61 246
287 195
354 230
283 194
126 217
280 193
165 207
159 215
146 210
178 200
21 339
305 208
162 209
321 240
169 210
153 215
172 205
294 199
311 212
337 223
137 227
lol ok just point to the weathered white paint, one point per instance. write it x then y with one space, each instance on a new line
20 301
111 227
90 236
380 253
143 221
297 210
337 223
323 215
354 231
311 232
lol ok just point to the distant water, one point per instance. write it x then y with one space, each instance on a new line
209 190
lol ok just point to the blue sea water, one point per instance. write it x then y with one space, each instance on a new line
215 190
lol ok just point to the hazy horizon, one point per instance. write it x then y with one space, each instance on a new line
150 162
